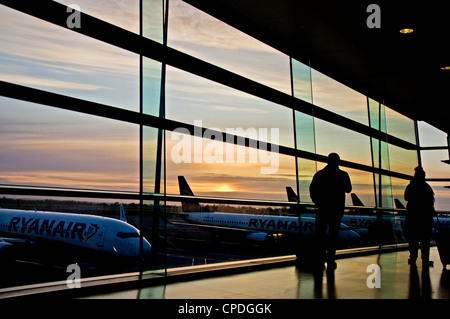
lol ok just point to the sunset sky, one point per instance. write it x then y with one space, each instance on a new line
44 146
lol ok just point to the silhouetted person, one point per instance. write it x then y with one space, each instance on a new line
419 217
327 190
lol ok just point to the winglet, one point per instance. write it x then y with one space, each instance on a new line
122 214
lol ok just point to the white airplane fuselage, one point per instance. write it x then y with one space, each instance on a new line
97 233
263 224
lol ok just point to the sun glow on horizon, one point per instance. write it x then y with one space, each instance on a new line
224 188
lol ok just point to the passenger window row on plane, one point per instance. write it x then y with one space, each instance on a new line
228 222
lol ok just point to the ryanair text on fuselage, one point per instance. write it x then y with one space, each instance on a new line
52 227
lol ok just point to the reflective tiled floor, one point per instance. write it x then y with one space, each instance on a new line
350 280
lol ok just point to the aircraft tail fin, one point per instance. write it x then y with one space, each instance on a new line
292 197
185 190
398 204
123 217
184 187
356 201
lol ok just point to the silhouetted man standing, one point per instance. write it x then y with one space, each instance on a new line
419 217
327 190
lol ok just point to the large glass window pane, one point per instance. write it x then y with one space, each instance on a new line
401 160
305 139
441 196
190 245
44 146
431 136
217 169
400 126
432 162
301 81
153 19
377 115
194 100
150 160
306 170
338 98
433 165
41 55
383 191
305 133
350 146
198 34
398 190
124 14
151 86
93 238
362 185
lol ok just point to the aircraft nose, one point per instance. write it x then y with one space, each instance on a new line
147 248
348 235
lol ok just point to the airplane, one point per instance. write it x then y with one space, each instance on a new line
357 223
368 221
256 228
94 233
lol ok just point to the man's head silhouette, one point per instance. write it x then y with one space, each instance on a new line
333 160
419 173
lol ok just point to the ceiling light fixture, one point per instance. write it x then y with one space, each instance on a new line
406 31
446 68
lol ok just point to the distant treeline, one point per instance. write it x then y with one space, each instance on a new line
132 209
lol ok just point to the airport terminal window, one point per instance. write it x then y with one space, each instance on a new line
362 186
305 132
211 170
122 14
301 81
306 170
351 146
442 201
433 165
192 99
196 33
153 19
150 160
383 191
151 86
400 126
401 160
101 165
44 146
40 262
398 190
431 160
44 56
334 96
188 245
430 136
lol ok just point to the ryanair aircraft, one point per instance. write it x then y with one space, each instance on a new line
95 233
257 228
368 222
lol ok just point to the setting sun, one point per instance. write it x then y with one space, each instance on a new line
224 188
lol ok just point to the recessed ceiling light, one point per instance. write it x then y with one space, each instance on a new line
406 31
446 68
